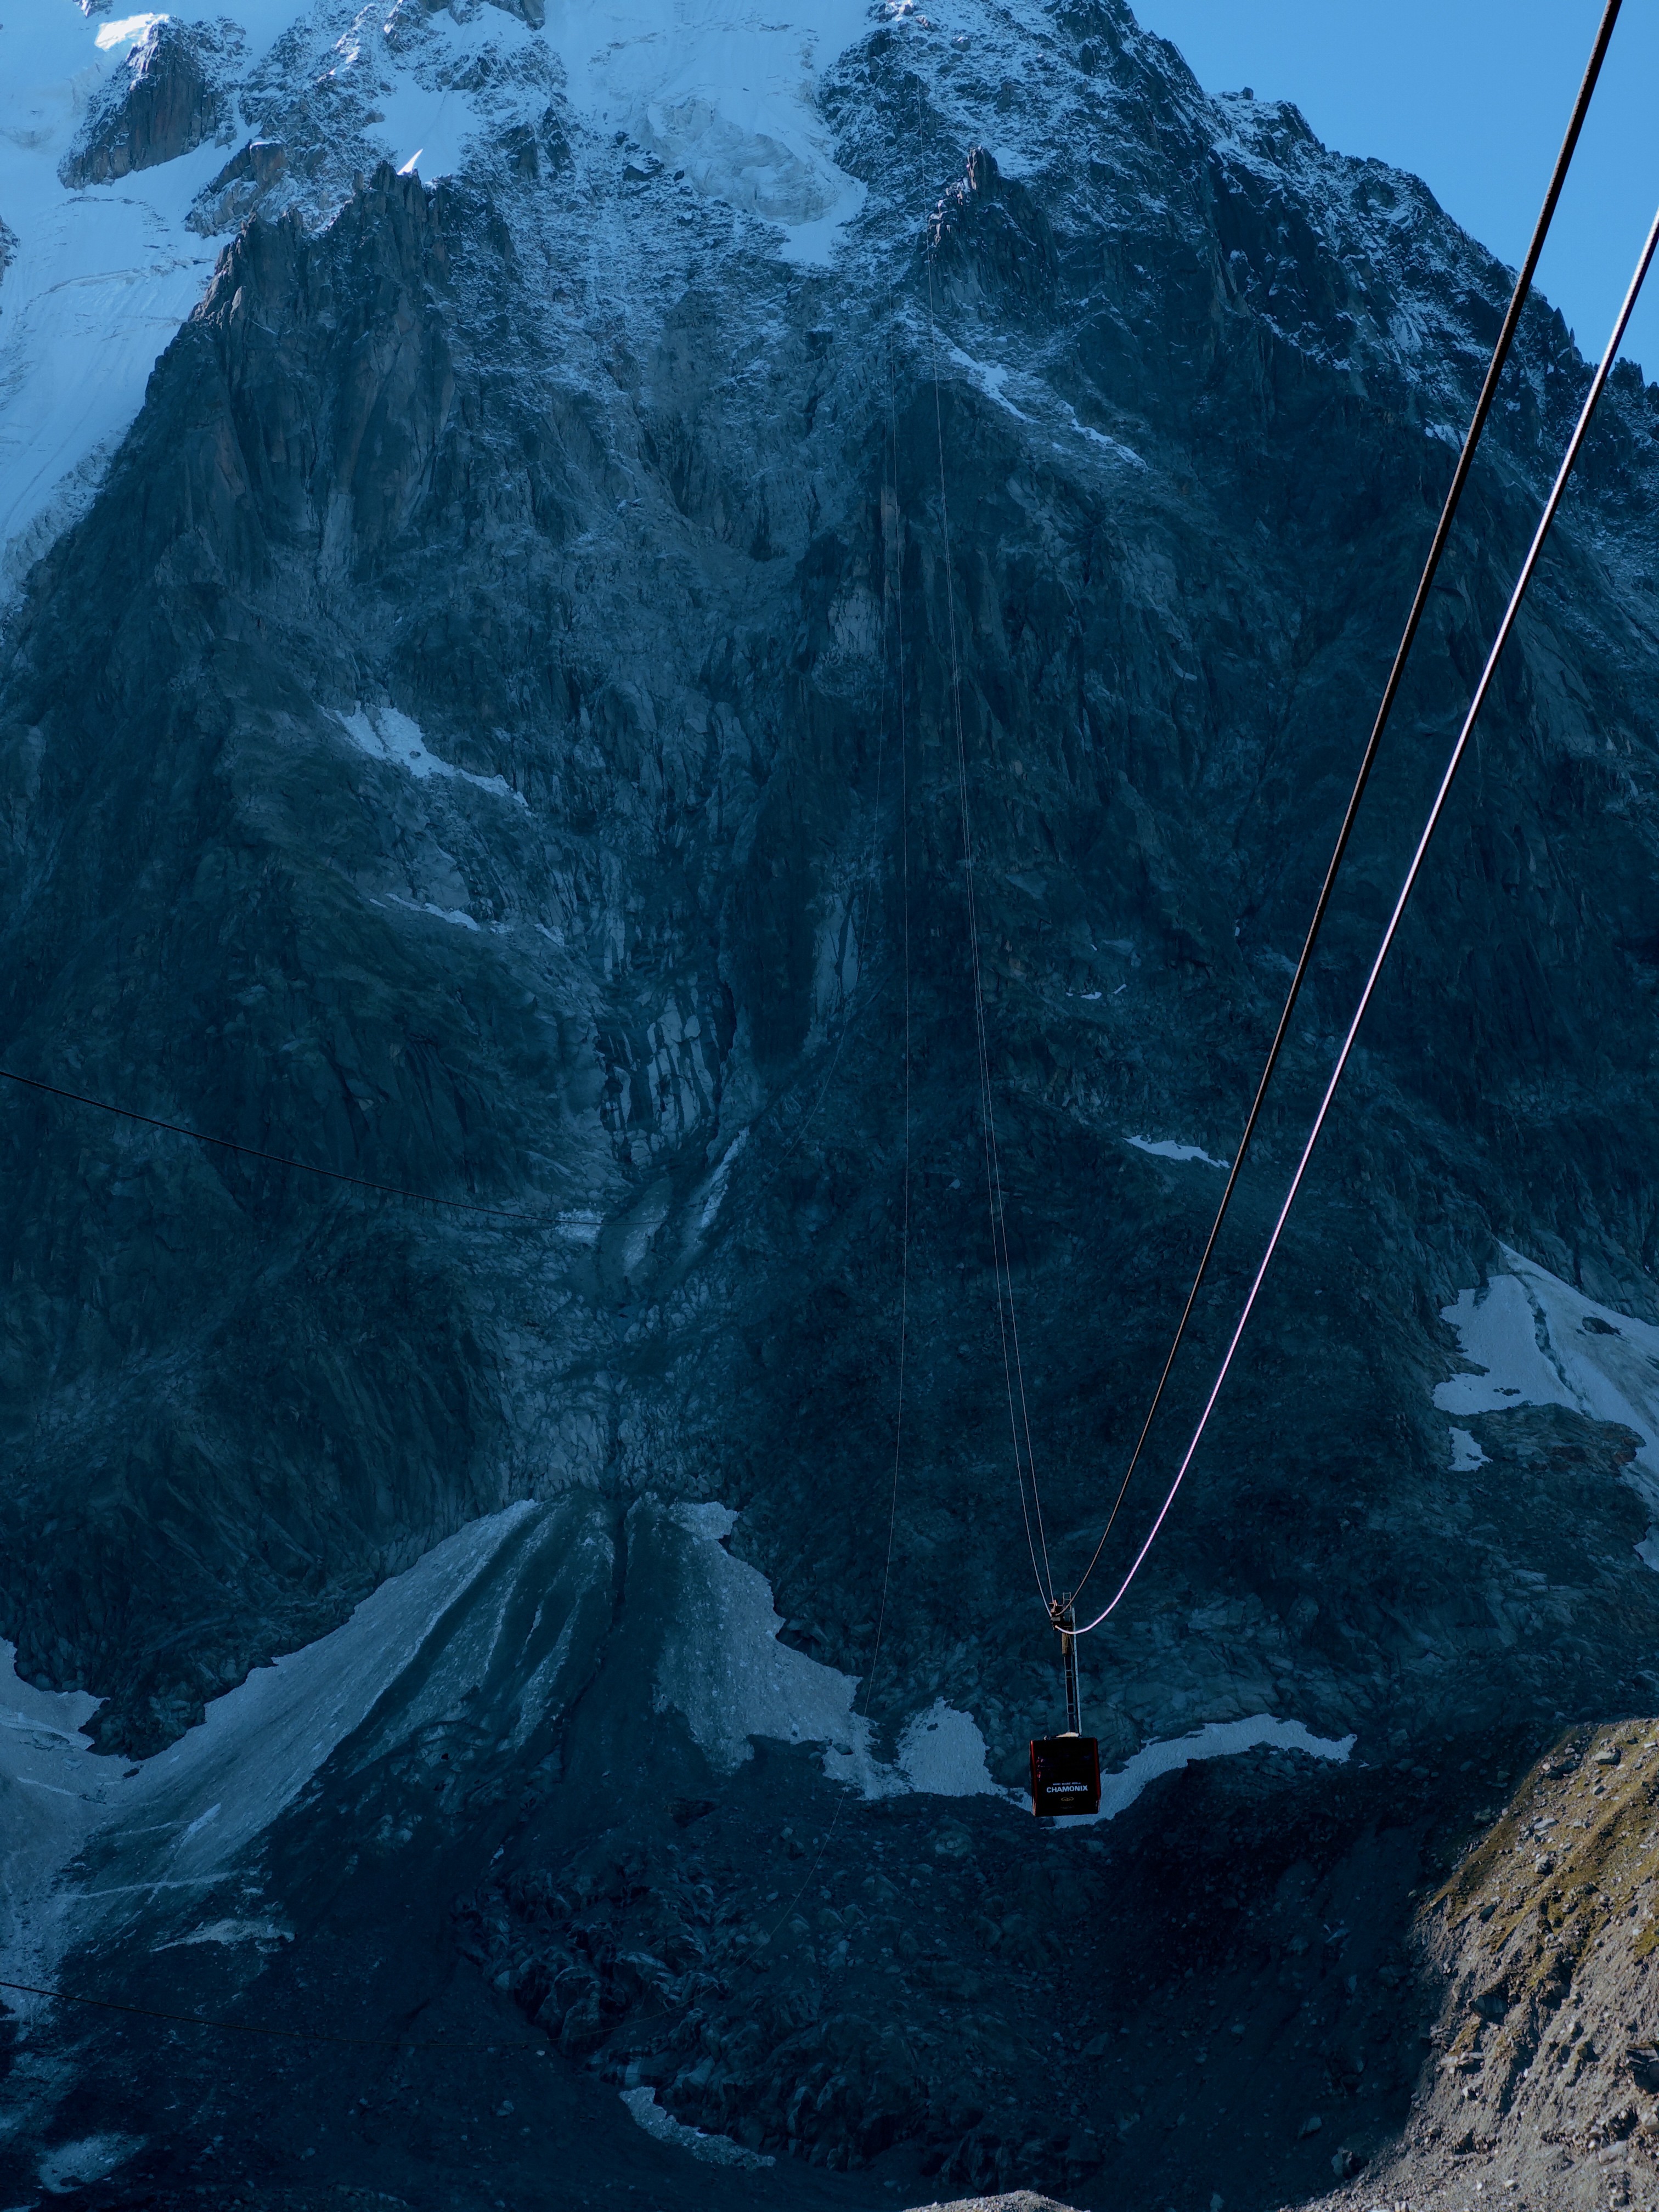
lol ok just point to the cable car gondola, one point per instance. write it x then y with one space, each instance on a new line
1066 1769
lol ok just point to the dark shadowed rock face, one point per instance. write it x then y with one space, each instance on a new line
170 97
495 736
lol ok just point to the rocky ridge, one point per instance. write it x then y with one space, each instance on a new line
171 96
1543 2078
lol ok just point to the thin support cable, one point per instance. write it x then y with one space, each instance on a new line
896 600
751 1203
275 1159
1442 530
904 879
1001 1270
1551 505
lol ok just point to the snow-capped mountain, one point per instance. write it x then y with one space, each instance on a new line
131 148
502 509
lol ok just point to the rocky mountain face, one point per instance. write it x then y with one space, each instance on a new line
168 99
493 733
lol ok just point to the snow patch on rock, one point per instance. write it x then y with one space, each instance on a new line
991 378
69 2168
1115 447
725 92
267 1934
456 916
717 1182
124 33
1216 1740
715 2150
1535 1340
1165 1148
175 1821
721 1666
385 734
941 1753
54 1789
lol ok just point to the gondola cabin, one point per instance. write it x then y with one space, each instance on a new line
1065 1776
1066 1769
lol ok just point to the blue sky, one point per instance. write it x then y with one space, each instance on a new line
1474 96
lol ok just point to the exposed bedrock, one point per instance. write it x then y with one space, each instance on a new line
494 735
169 96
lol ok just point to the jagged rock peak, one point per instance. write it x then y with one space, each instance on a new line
171 97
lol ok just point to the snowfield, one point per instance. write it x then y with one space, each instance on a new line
100 278
507 1616
727 93
98 281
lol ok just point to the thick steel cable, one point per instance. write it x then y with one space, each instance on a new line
1001 1271
1412 873
1414 620
276 1159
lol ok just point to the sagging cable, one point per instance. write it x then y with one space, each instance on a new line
1510 612
1414 620
276 1159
